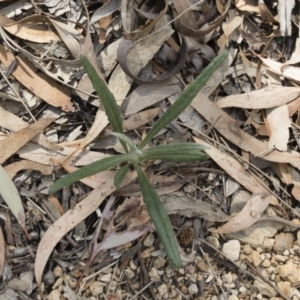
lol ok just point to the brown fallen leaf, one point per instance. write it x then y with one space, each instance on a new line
38 83
12 122
268 97
229 129
250 213
33 28
67 222
139 119
235 169
14 142
279 124
14 168
282 69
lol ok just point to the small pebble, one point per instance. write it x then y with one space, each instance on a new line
159 262
232 249
266 263
247 249
149 240
233 297
162 289
128 272
193 289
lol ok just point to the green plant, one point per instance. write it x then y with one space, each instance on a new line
136 155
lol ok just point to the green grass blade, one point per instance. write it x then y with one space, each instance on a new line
120 175
109 102
185 98
160 218
89 170
183 152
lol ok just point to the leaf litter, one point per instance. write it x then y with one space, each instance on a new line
148 54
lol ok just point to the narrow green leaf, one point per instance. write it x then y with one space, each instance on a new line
185 98
122 137
120 175
109 102
160 218
89 170
182 152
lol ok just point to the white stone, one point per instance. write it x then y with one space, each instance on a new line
128 273
233 297
106 277
193 289
149 240
162 289
232 249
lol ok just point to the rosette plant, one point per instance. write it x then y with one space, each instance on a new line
136 155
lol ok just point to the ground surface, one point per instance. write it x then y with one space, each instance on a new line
235 215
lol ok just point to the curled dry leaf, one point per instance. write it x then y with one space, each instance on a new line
129 20
229 129
148 47
183 28
268 97
38 83
250 213
14 142
67 222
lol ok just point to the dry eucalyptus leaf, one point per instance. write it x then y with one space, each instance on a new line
229 129
268 97
33 28
285 13
251 212
183 205
279 124
14 142
67 222
39 83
